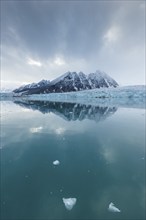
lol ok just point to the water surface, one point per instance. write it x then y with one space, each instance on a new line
101 151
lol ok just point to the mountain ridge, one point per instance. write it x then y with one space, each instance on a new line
68 82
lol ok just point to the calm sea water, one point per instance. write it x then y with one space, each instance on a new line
101 154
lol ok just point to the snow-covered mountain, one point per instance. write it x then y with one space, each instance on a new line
68 82
33 87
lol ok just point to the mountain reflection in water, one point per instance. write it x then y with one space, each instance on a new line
56 165
70 111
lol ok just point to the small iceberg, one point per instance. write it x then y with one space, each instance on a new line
113 208
69 203
56 162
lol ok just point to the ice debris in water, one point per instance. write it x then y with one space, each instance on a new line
56 162
112 208
69 203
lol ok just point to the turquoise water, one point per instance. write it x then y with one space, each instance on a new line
101 154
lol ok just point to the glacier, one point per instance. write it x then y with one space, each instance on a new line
126 96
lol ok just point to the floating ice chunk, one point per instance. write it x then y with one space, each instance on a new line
113 208
69 203
56 162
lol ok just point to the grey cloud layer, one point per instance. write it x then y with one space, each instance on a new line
103 34
50 27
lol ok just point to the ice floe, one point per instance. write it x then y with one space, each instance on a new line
56 162
69 203
113 208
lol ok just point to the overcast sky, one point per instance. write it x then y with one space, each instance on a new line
43 39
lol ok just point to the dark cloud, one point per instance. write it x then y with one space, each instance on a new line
98 32
48 27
